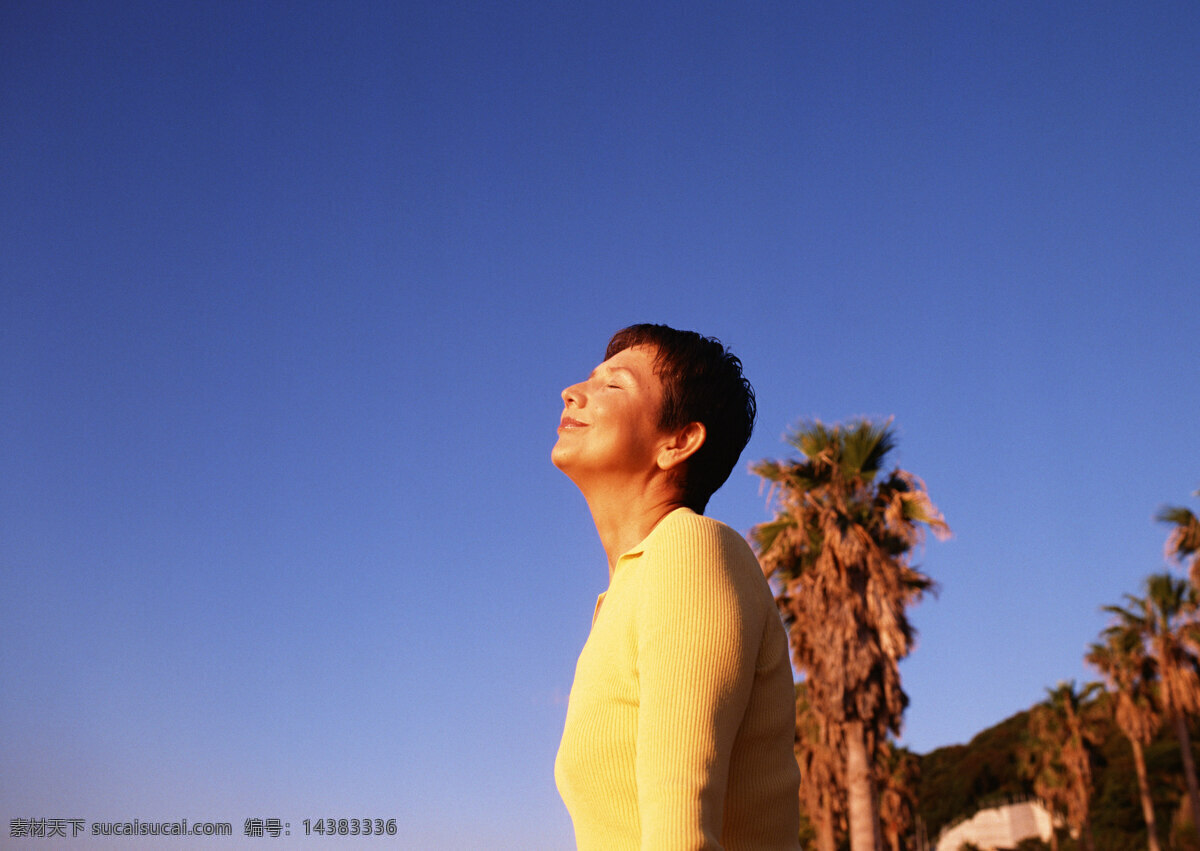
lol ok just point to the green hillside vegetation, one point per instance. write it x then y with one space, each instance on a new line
959 780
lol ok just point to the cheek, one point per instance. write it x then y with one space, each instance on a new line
644 432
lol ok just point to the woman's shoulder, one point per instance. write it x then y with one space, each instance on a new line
700 568
700 540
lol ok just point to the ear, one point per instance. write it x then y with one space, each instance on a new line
681 446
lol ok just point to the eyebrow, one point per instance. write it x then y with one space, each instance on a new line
623 369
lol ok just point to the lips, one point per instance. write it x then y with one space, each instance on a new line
571 422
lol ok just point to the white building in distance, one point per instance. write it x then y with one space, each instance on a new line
999 827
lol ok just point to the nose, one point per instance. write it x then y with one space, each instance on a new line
572 394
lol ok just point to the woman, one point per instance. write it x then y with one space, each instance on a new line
680 724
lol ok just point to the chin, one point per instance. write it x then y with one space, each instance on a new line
569 465
559 458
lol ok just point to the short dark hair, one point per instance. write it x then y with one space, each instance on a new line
702 382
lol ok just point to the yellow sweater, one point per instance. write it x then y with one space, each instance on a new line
680 724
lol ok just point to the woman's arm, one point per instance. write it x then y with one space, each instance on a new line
697 645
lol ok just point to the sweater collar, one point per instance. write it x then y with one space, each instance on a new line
641 546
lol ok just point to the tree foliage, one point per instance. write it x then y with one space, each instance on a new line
1063 735
1166 622
1183 543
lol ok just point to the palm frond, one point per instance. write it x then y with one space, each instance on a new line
1184 539
764 535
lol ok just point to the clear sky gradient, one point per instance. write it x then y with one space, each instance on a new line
288 293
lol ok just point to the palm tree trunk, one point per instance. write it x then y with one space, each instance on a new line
825 837
860 791
1139 761
1189 768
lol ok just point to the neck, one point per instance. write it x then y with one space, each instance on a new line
625 516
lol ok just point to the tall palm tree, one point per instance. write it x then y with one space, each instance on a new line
1130 673
839 549
1166 623
899 770
1063 730
821 775
1184 541
1041 763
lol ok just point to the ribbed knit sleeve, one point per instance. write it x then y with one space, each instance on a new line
696 647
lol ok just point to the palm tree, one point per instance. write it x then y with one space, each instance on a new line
839 550
1041 763
1184 541
1166 624
821 778
1063 731
1129 672
899 770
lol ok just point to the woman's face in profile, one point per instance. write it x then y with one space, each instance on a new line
610 420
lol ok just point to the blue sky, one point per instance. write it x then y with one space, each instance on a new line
288 293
